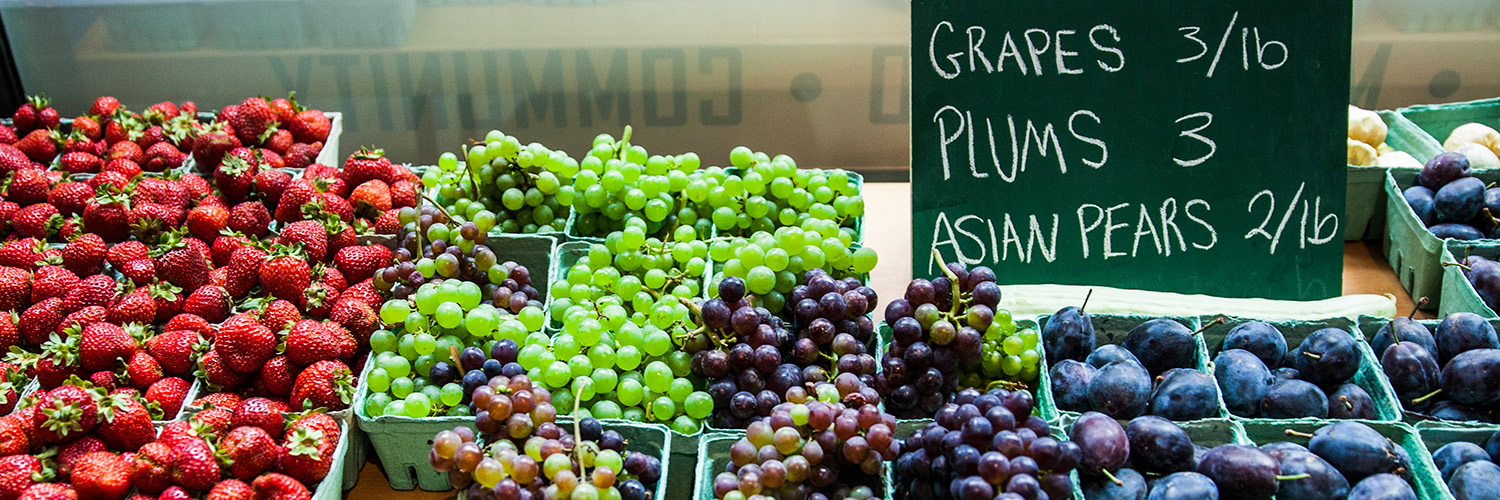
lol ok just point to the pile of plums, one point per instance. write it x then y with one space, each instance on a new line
1259 377
1450 374
1150 371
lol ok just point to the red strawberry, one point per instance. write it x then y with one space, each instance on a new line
270 183
278 140
77 142
152 136
101 475
365 165
12 159
40 320
275 486
336 205
28 186
166 192
96 290
371 198
250 218
310 126
318 299
15 288
140 272
49 491
270 159
104 106
197 187
309 342
10 337
325 384
235 177
253 117
22 253
104 381
179 262
85 254
108 215
17 473
89 127
309 455
168 394
212 144
40 145
224 400
298 193
194 466
150 468
310 235
51 281
134 307
357 317
193 322
174 351
13 439
176 493
267 414
102 345
70 453
8 135
123 166
286 275
389 222
161 157
79 162
74 323
162 111
244 343
225 246
279 315
218 420
124 423
212 303
218 376
37 221
142 371
302 154
277 377
8 209
404 194
29 116
148 220
119 255
67 412
232 489
284 108
207 221
250 451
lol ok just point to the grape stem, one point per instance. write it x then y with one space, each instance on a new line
469 172
952 278
438 206
578 446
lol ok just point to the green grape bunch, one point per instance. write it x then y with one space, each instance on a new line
518 188
764 193
618 182
772 264
623 313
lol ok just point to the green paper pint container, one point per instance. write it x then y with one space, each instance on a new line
1424 477
1364 208
1112 329
1369 377
1437 434
1459 294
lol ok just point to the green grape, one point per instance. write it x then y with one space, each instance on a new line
658 376
449 315
662 408
396 366
375 404
1013 345
453 394
417 405
393 312
604 379
382 341
402 387
657 343
630 392
396 407
699 405
378 380
628 357
605 409
557 374
680 389
423 343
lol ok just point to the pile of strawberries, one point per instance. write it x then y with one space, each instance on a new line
120 288
78 442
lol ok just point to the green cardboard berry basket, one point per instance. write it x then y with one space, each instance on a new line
1370 326
1112 329
1370 377
1413 252
1364 208
1423 477
1458 294
713 456
1439 120
1436 434
330 488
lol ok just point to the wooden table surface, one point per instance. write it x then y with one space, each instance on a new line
888 231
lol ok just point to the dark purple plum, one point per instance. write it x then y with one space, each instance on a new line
1260 338
1068 334
1351 401
1294 399
1329 356
1162 344
1158 446
1184 486
1185 394
1243 380
1403 329
1473 378
1443 169
1070 381
1122 389
1130 486
1456 231
1453 455
1412 371
1476 481
1420 199
1461 332
1241 472
1383 487
1460 200
1355 449
1107 353
1323 482
1102 441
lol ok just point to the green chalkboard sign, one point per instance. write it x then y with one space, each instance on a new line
1174 145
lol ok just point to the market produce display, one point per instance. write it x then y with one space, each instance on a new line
1469 469
1153 369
